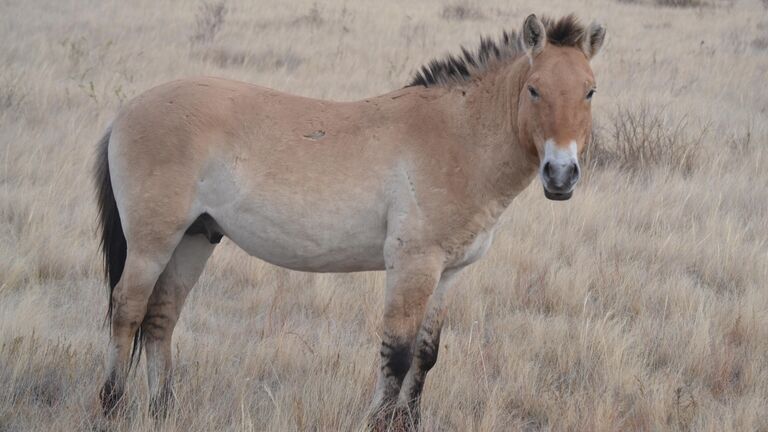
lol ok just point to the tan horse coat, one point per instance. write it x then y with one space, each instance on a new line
412 182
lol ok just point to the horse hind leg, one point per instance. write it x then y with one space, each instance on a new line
163 310
143 266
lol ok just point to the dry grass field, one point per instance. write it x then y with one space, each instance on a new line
639 305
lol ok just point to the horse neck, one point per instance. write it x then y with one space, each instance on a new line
503 167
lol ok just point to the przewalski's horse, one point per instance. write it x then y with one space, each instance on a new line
412 182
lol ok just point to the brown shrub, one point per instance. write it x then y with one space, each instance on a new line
643 137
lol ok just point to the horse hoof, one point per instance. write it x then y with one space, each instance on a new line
396 419
110 397
160 407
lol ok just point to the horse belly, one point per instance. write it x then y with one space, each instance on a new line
314 238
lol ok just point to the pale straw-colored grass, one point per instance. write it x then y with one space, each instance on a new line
641 304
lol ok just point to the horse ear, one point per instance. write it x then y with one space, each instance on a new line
534 36
593 40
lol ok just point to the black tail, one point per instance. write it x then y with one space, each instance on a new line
113 243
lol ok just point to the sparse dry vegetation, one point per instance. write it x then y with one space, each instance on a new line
640 138
668 3
680 3
639 305
462 11
208 22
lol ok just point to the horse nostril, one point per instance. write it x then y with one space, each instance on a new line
547 170
574 172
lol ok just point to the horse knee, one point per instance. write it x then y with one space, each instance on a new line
427 351
427 354
131 296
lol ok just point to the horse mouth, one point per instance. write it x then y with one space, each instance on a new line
558 196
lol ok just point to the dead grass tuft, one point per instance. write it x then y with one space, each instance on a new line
312 18
642 137
760 43
43 383
263 61
209 21
11 95
680 3
461 12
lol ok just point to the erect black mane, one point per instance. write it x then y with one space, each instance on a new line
567 31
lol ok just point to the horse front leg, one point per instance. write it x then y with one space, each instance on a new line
426 347
410 282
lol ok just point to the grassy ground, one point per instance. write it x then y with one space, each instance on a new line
641 304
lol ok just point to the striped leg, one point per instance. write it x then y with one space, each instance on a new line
129 301
425 348
410 282
165 304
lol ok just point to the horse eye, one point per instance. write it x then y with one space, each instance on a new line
534 93
590 94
